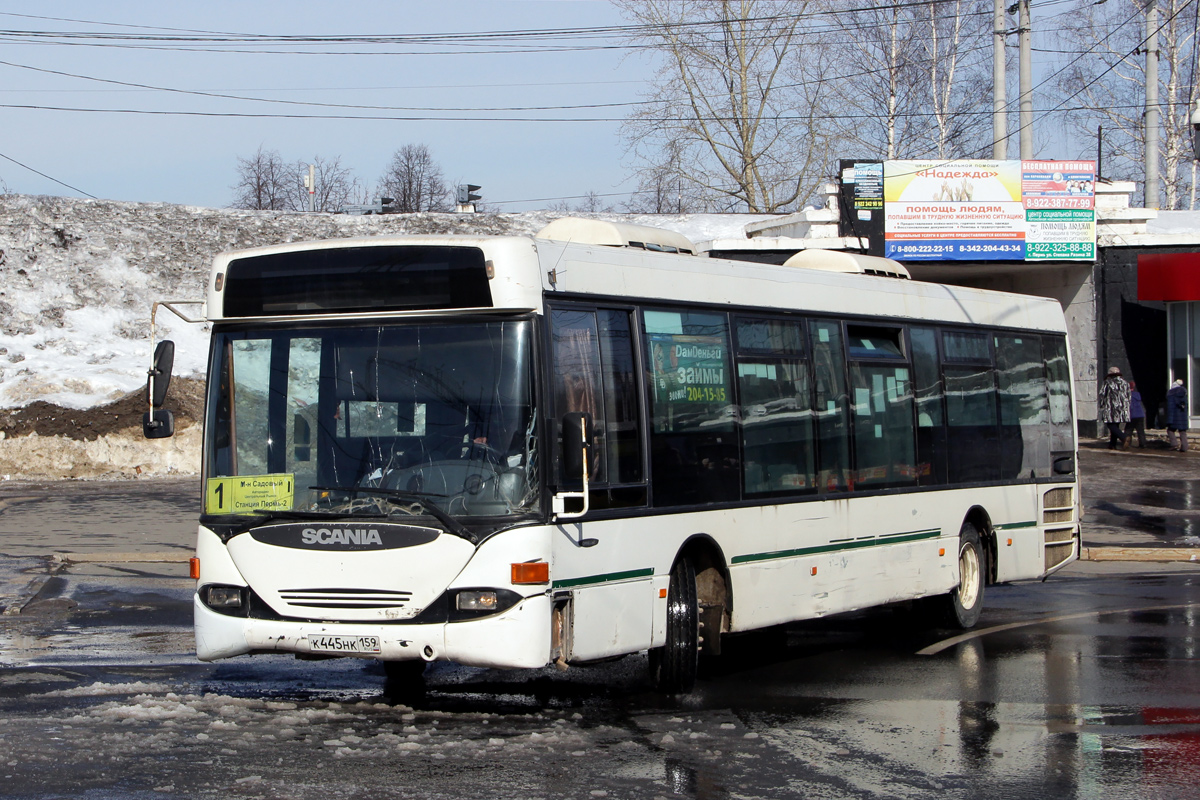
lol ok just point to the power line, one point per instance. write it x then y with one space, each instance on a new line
48 177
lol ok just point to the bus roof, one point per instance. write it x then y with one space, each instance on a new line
525 271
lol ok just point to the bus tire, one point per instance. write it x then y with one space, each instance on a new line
963 605
673 666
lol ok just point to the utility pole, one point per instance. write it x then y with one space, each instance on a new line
1151 192
999 101
312 187
1025 76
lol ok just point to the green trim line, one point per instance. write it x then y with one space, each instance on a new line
609 577
835 547
1009 526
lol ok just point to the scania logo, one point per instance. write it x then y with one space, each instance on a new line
340 536
344 535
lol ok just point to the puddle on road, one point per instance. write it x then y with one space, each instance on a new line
1175 495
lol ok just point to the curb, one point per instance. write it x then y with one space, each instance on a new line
1161 554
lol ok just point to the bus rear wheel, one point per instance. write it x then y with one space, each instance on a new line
963 605
673 666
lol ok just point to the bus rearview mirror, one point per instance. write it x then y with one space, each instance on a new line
158 424
159 377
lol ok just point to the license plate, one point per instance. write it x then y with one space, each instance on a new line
343 644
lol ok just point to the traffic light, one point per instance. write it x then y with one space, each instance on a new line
466 193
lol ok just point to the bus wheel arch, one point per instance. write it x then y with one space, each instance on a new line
697 612
713 591
978 517
961 606
964 604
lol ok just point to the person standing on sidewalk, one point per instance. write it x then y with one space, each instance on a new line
1177 417
1137 416
1114 407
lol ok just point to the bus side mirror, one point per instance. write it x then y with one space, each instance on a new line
576 441
160 373
158 423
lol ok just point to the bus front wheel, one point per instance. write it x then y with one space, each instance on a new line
963 605
673 666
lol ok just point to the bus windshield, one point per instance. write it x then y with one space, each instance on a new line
430 418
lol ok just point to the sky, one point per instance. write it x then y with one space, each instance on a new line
69 54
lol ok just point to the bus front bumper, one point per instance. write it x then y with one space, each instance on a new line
517 638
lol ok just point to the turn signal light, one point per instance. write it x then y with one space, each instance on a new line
194 568
531 572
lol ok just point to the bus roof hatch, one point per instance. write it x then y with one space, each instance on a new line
838 261
580 230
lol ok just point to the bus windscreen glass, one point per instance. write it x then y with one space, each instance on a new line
368 419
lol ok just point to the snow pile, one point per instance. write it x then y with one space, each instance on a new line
80 277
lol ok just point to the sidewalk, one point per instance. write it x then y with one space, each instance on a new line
1140 504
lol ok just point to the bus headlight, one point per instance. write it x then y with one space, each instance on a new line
476 600
222 598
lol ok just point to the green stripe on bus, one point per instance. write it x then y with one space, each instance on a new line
606 578
1014 525
883 539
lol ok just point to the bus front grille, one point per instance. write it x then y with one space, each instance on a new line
345 598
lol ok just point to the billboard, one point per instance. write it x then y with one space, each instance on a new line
989 210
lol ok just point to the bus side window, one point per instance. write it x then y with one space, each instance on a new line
593 371
884 437
972 437
775 396
575 346
693 444
931 417
1058 378
1024 408
833 413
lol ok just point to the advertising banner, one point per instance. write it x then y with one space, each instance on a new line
989 210
1060 209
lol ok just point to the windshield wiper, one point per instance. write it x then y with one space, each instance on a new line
234 524
421 498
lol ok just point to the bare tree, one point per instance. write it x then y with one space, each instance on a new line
414 180
336 186
732 113
923 77
264 182
661 189
589 203
1108 79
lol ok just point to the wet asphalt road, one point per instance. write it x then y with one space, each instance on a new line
1085 686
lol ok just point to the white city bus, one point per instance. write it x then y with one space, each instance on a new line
518 451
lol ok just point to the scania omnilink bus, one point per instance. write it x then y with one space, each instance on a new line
518 451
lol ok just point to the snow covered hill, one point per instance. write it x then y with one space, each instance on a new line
79 279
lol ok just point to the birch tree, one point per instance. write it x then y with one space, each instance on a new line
731 114
1105 86
922 82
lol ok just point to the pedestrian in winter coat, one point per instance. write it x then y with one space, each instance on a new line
1114 407
1177 417
1137 416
